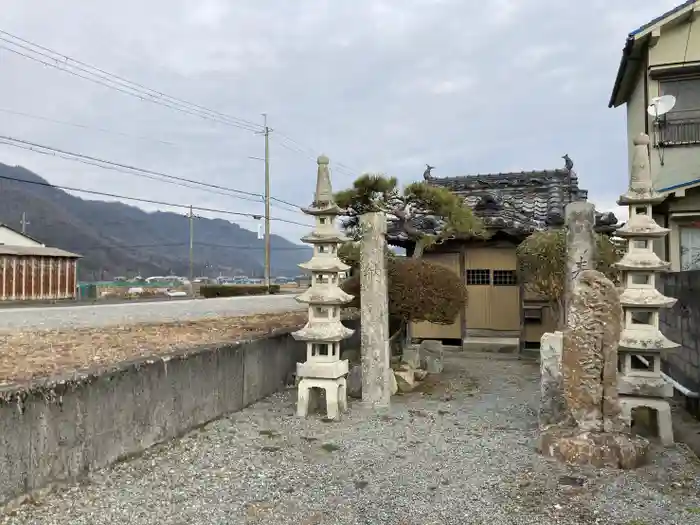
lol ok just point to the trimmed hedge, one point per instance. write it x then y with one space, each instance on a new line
236 290
418 291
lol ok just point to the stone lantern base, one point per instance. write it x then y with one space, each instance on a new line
663 415
599 449
336 396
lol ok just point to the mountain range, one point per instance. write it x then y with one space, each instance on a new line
116 239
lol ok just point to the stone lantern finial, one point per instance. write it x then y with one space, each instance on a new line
641 187
324 192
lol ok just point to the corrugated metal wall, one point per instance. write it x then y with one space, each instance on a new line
26 278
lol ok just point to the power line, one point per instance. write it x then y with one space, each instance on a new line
118 133
196 243
149 201
308 151
295 149
54 59
114 168
136 171
127 166
61 62
89 128
103 130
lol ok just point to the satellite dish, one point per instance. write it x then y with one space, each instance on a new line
661 105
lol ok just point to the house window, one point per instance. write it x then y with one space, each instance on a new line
681 125
478 277
505 278
687 93
690 248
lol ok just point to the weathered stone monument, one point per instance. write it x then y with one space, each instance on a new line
374 314
590 430
323 369
642 343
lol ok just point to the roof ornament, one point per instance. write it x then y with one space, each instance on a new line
568 163
427 173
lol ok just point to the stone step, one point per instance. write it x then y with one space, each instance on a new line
498 345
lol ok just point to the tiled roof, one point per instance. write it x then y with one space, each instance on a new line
661 17
516 203
36 251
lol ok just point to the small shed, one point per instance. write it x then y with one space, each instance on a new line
31 271
512 206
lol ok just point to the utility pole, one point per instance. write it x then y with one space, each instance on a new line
266 133
190 216
267 204
25 222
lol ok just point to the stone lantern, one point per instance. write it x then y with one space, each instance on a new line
323 369
640 381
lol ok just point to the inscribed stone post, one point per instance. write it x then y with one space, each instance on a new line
374 317
580 243
552 403
589 360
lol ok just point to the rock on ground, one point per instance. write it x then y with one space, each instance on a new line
354 382
599 449
459 453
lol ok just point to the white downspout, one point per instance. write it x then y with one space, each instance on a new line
683 390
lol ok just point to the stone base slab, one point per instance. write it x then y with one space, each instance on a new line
599 449
323 370
644 386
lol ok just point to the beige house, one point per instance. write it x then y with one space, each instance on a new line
663 58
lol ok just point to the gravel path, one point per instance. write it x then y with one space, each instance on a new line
461 453
54 317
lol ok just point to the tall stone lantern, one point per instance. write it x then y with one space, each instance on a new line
323 332
640 381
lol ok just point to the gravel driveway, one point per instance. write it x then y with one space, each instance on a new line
54 317
461 452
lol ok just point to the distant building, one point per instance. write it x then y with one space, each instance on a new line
32 271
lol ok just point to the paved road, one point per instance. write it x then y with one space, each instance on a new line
53 317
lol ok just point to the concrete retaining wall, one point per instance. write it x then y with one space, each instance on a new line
56 430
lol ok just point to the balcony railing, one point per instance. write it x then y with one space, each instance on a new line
677 132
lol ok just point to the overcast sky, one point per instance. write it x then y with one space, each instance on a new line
469 86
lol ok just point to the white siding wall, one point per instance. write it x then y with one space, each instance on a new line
677 44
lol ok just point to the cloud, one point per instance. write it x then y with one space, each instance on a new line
468 86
